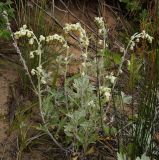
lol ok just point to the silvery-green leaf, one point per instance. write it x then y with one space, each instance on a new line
121 156
144 157
126 98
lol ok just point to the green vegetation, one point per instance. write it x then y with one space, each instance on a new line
113 98
4 34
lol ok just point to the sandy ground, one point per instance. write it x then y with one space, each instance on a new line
8 78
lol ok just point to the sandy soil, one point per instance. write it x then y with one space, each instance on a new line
8 77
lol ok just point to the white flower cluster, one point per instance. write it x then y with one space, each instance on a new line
100 23
84 63
122 49
82 33
100 42
84 41
102 31
106 92
111 77
37 52
58 38
39 71
83 68
42 38
25 32
136 38
91 103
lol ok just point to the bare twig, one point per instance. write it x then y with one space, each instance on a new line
59 24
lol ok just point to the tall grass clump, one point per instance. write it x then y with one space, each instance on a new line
148 109
143 69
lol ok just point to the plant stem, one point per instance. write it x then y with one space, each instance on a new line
98 84
5 15
40 102
121 64
65 87
39 80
